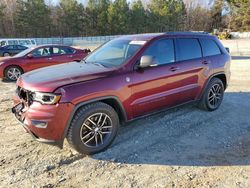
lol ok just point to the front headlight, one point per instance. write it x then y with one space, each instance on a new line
46 98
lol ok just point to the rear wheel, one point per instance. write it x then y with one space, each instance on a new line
93 128
6 54
12 73
213 95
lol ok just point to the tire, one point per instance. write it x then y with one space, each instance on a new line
213 95
12 73
6 54
93 128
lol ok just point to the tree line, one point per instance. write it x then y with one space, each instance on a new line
68 18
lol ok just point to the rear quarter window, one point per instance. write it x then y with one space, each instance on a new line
69 50
209 47
187 48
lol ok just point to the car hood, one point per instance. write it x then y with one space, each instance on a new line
10 59
50 78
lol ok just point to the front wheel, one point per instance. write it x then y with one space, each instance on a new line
93 128
213 95
12 73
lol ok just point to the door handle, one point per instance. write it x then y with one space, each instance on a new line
70 56
49 58
205 62
174 69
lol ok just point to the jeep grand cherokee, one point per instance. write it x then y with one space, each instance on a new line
126 78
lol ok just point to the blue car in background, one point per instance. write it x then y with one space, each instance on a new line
10 50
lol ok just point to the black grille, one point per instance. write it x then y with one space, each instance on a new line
24 94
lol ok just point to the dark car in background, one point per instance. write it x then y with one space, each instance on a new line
126 78
38 57
10 50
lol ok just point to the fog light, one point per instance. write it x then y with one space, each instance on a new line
39 124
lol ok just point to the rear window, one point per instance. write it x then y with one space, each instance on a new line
187 49
67 50
209 47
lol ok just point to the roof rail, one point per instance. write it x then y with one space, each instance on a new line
186 32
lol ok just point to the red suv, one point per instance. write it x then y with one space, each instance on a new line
34 58
124 79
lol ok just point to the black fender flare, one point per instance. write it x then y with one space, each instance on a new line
208 80
79 105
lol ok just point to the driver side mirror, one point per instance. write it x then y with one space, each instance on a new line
29 56
146 61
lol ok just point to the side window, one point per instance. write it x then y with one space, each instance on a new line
12 42
67 50
21 47
24 42
10 47
187 49
57 51
41 52
62 50
209 47
162 51
27 42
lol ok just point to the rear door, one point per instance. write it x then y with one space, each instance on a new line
193 66
15 50
10 49
63 54
72 54
212 53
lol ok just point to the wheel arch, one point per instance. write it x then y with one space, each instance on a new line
12 65
113 101
221 76
6 53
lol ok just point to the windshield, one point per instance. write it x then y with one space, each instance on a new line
115 52
23 53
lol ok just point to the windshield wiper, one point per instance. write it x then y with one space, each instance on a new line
99 64
83 61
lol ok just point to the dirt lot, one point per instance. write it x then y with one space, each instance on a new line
183 147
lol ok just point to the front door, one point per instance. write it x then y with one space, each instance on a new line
41 57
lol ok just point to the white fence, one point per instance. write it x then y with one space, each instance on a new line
78 41
238 35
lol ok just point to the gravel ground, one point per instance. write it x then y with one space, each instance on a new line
182 147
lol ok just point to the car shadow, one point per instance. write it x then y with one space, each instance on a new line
187 136
7 81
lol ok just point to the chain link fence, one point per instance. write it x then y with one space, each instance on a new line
76 41
239 46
